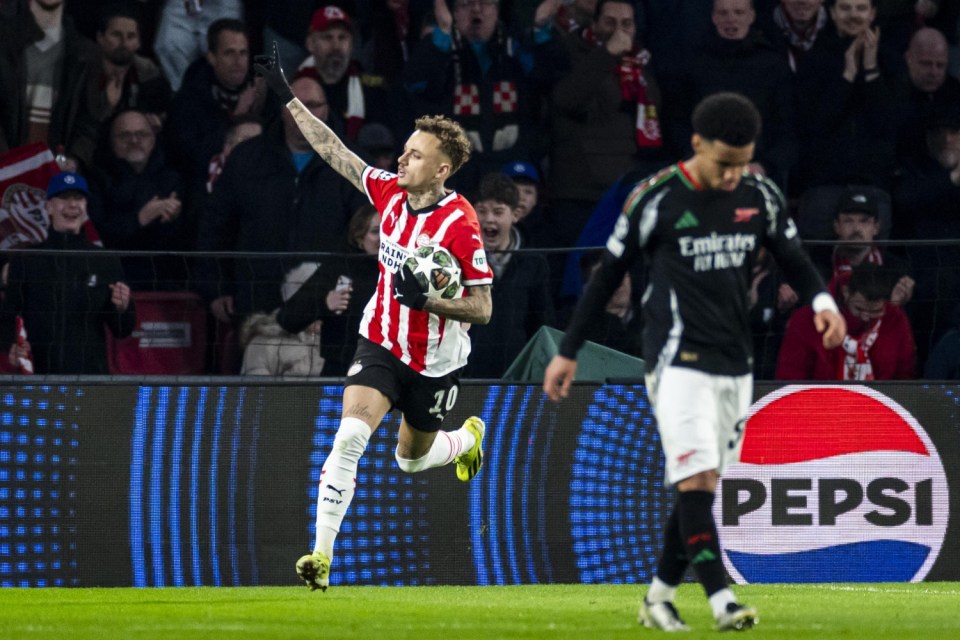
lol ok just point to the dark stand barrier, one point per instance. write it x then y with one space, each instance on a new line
151 485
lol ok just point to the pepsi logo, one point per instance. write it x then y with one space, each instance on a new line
834 484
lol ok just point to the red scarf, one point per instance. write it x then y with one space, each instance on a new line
842 268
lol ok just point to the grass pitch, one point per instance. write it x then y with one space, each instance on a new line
604 612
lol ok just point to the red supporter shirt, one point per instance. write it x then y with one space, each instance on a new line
425 342
802 356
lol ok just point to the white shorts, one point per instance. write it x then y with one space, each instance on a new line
700 417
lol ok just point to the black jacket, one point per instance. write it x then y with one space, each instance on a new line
847 130
65 304
67 121
754 68
119 194
260 203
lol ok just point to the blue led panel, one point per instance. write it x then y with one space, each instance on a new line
39 449
618 504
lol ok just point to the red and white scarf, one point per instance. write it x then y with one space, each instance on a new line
356 111
633 88
855 363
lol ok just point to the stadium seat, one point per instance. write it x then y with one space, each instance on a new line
170 337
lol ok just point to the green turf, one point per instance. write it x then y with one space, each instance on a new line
874 612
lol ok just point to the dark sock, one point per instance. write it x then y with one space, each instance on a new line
673 560
699 535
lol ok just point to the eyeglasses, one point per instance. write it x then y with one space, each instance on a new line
463 4
127 136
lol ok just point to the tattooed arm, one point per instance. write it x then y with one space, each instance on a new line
326 143
475 307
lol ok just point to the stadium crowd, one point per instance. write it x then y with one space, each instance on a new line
567 103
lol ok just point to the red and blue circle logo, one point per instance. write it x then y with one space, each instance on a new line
834 484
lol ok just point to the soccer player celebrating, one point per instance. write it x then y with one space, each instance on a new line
411 347
699 224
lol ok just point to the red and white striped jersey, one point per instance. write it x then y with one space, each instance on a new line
425 342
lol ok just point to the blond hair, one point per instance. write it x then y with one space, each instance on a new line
453 141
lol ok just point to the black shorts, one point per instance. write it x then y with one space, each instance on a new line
424 401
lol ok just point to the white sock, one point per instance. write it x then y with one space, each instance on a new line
448 445
660 591
338 480
720 600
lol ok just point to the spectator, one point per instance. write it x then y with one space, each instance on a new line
926 194
66 301
43 70
123 79
355 97
736 56
275 194
924 86
846 109
794 25
270 350
217 90
926 197
359 274
878 345
140 205
472 69
532 223
184 33
605 117
857 226
521 294
242 129
378 146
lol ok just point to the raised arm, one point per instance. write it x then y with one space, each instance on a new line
321 137
326 143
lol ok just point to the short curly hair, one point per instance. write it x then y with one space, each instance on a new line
728 117
453 140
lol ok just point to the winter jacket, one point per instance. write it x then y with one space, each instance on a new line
261 204
268 350
65 303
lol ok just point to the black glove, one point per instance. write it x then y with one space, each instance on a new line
269 67
407 290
